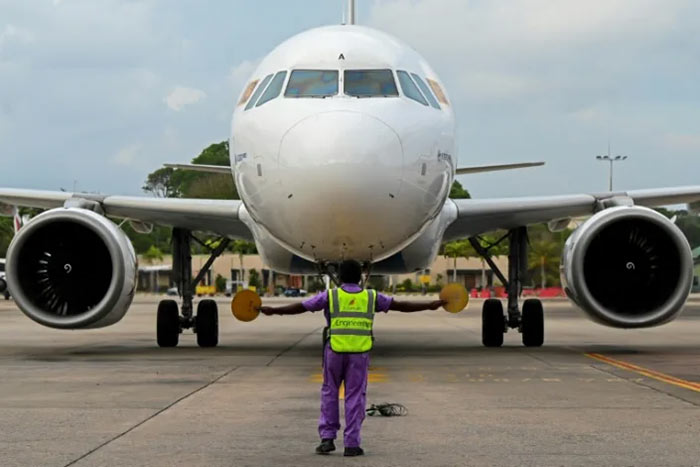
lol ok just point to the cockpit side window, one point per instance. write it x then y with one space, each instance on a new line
258 91
426 91
409 88
312 83
370 83
248 91
437 89
274 89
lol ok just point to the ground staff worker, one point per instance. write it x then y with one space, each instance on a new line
349 312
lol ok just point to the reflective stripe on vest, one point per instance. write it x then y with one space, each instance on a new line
352 317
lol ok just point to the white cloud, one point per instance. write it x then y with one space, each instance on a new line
128 155
12 33
182 96
683 142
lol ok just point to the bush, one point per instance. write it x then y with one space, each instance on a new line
220 283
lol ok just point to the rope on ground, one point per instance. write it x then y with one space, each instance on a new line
387 409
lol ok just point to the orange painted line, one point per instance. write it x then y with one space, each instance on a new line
664 378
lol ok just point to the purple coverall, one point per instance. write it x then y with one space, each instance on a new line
338 367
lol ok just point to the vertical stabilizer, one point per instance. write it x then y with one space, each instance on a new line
350 13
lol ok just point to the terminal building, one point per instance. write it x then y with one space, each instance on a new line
155 277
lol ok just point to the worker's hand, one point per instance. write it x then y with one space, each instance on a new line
437 304
266 310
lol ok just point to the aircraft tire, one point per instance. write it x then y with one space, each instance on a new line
492 323
207 324
532 325
168 324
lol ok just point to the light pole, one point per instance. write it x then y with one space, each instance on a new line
611 159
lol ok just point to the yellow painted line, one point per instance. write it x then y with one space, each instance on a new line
664 378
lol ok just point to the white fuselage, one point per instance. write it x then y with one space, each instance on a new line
338 177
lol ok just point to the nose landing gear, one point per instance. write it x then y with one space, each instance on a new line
529 322
171 321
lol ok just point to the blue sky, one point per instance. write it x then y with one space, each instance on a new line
104 91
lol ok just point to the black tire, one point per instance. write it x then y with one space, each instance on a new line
207 324
532 325
168 324
492 323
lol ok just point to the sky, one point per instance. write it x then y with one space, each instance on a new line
98 93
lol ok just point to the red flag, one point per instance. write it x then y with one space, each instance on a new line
17 220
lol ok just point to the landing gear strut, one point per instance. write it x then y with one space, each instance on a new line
170 321
530 323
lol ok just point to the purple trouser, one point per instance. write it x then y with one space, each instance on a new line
351 368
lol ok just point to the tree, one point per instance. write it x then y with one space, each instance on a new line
160 183
193 184
458 249
458 192
254 278
220 283
242 248
152 255
6 234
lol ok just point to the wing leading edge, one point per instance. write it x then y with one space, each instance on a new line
219 216
476 216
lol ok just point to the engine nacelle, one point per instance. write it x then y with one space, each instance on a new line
628 267
72 269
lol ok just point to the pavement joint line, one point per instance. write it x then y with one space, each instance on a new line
151 417
292 346
649 373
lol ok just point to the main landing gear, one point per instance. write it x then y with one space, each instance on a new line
171 321
494 322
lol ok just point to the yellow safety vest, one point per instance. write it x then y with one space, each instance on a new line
352 317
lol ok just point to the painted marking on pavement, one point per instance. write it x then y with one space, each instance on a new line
664 378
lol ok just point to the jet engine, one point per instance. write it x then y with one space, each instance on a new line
72 269
628 267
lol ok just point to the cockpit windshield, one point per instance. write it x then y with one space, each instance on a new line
312 83
370 83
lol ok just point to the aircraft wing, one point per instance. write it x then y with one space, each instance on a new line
476 216
219 216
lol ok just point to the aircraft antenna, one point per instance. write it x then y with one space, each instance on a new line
350 13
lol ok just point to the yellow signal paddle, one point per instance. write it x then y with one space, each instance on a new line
456 297
245 304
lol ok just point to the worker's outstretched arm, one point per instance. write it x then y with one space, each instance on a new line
410 307
293 309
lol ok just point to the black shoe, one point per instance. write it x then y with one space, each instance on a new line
326 447
352 452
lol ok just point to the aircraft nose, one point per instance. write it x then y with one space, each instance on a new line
340 181
339 146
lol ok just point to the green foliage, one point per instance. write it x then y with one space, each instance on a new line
220 283
458 191
242 247
153 254
254 279
160 183
316 285
6 234
406 286
160 238
192 184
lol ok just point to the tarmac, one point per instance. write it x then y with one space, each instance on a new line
591 396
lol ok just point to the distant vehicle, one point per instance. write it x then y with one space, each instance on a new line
172 291
292 292
3 281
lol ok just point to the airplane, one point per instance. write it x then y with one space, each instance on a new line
343 146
